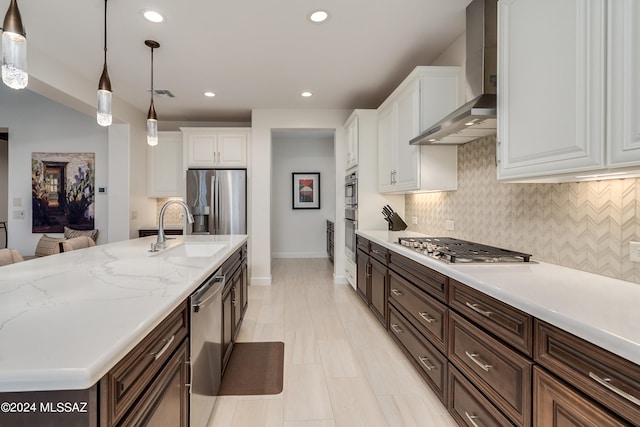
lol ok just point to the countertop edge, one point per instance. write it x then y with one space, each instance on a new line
617 344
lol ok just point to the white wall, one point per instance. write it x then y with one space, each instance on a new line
263 121
37 124
301 233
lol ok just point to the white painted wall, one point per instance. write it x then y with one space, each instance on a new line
301 233
38 124
260 189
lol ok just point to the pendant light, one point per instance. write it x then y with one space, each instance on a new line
152 118
104 85
14 49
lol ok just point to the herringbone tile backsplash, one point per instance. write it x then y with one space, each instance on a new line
585 225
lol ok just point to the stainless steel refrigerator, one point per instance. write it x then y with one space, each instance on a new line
218 200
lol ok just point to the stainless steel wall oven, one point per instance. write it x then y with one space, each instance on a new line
351 214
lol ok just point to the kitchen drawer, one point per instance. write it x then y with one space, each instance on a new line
468 406
423 311
510 324
609 379
232 263
555 404
363 244
431 363
379 252
122 386
428 280
502 374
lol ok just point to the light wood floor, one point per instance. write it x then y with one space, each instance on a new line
341 368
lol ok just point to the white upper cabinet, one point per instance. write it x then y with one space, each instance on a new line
165 171
351 146
624 83
216 147
423 98
568 92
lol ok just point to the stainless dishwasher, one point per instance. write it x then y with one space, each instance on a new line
206 349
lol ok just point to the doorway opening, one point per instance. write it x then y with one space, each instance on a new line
298 225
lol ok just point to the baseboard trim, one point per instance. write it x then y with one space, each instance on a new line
299 255
260 281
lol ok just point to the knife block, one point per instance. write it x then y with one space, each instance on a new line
396 223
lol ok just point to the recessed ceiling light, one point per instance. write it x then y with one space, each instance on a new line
152 15
209 94
319 16
306 94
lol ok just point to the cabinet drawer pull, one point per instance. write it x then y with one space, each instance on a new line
426 317
473 357
475 308
396 292
606 382
396 329
375 251
157 354
471 419
424 360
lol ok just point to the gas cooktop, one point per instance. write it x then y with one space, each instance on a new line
453 250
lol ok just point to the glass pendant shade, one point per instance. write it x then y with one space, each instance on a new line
104 99
103 114
152 126
14 49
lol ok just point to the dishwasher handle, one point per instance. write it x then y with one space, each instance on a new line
207 291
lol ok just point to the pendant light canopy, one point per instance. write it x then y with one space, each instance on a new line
152 118
103 115
14 49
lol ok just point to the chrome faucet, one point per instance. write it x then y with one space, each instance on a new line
161 242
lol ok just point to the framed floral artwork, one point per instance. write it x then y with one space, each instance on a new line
306 190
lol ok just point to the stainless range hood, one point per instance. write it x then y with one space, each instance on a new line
477 118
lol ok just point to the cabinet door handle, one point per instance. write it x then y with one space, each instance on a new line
471 419
396 329
396 292
157 354
606 382
375 251
475 307
473 357
424 360
426 317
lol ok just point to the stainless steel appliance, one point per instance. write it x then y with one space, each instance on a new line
351 191
218 200
477 118
453 250
206 349
350 214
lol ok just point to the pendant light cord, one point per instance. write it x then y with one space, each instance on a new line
151 74
105 31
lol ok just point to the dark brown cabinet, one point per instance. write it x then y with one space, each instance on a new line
558 405
165 402
608 379
121 388
144 232
234 300
330 233
372 277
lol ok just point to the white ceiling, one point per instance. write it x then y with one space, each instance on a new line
251 53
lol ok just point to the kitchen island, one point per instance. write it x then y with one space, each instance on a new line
66 320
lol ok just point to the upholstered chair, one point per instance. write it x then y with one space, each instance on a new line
10 256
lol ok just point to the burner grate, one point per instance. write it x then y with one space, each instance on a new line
456 250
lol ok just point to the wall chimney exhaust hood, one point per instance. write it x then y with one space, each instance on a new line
477 118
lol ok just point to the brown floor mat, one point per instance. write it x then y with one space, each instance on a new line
254 368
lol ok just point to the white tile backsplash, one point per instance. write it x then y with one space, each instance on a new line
585 225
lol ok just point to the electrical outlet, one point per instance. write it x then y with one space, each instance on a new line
134 214
634 251
449 225
414 220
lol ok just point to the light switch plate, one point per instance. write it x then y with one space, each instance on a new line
449 225
634 251
414 220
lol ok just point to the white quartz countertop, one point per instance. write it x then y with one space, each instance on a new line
598 309
67 319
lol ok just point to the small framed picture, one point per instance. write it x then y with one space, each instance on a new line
306 190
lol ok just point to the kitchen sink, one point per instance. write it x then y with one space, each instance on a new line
195 249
